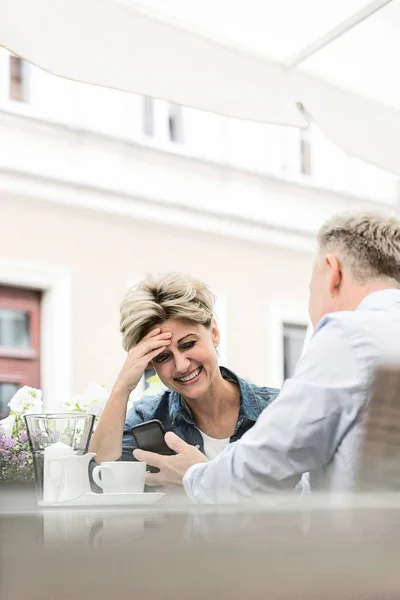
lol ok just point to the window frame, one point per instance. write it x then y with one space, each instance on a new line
56 373
24 300
25 81
148 116
175 115
305 152
22 365
277 314
285 326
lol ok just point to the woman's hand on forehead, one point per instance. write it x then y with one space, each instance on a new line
140 356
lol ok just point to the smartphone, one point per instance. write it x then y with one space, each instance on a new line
150 436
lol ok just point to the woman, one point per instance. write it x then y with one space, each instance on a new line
167 322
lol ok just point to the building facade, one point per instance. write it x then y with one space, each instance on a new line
99 187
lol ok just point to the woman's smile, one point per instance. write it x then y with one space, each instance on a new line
191 378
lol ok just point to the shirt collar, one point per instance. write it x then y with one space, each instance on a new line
249 406
380 299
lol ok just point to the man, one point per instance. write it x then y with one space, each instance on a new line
315 424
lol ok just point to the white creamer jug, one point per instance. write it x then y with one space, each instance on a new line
70 475
53 452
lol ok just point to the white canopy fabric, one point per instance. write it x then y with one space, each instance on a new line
251 59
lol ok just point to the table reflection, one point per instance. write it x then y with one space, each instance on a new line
178 551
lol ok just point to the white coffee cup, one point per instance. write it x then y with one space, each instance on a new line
120 477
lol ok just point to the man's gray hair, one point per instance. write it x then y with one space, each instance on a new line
367 243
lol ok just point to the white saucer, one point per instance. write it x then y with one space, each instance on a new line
92 499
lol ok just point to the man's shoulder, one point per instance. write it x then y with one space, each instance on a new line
335 319
359 328
357 319
372 334
340 327
340 354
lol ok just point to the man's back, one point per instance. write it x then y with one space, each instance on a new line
373 333
315 425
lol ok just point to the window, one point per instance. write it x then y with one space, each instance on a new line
162 120
7 391
293 341
175 124
19 342
18 79
148 116
305 152
14 328
284 145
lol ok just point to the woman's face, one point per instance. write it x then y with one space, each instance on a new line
190 363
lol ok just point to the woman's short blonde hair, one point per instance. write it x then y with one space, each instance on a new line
367 243
160 297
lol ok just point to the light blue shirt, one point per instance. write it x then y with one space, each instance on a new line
315 424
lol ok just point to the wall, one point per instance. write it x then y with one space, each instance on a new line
92 203
104 255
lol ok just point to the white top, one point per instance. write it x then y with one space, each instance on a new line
213 446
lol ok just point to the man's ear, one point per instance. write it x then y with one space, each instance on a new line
335 273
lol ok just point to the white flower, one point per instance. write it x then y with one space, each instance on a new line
26 401
72 405
7 425
94 409
93 399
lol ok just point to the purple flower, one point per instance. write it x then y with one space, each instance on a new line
15 457
22 458
8 443
23 437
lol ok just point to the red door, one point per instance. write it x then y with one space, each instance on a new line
19 342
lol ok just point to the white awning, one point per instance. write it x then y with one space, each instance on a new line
250 59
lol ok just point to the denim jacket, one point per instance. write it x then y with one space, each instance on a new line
174 414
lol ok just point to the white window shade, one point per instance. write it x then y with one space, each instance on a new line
253 59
